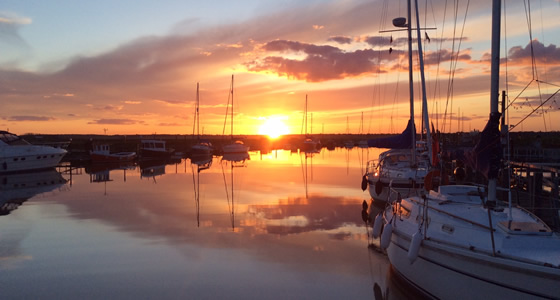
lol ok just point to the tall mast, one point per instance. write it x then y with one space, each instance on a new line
494 79
231 90
197 113
305 115
423 81
410 81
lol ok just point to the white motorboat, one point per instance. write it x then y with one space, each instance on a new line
16 154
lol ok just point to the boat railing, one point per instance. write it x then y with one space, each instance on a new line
421 203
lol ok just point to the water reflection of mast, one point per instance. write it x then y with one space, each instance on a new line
202 163
304 171
236 160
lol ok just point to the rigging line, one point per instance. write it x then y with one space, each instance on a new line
528 17
518 95
544 65
537 108
450 77
542 36
533 56
457 55
227 108
436 89
549 83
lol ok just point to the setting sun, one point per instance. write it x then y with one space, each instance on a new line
273 128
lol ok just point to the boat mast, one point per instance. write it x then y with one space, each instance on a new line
305 115
197 113
410 81
231 91
423 82
494 79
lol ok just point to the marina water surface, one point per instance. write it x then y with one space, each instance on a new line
282 225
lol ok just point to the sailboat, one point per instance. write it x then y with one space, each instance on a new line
236 146
461 242
309 145
401 170
202 147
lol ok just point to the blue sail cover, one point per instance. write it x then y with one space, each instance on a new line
485 157
401 141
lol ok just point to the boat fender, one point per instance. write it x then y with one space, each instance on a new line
378 187
365 215
386 236
414 247
377 225
364 183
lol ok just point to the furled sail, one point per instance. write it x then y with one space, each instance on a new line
401 141
485 157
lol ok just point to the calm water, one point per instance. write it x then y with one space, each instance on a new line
278 226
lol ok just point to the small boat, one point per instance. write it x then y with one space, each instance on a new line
309 144
203 147
154 149
102 153
16 154
236 147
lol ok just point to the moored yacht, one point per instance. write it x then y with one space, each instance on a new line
16 154
154 149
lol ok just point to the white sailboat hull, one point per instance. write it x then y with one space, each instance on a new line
235 148
448 272
461 259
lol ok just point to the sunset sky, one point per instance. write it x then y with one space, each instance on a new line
131 67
